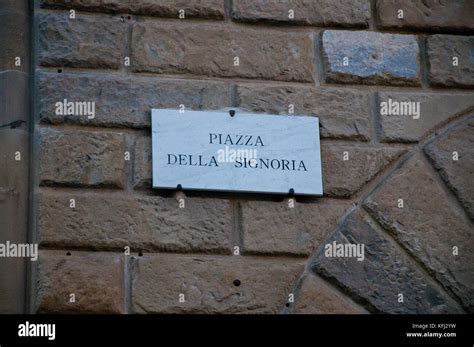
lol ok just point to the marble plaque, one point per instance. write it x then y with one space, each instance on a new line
209 150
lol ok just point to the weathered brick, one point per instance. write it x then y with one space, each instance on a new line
96 280
148 223
86 41
435 110
210 50
432 15
384 273
373 58
230 284
343 178
275 228
346 13
124 101
343 113
81 158
427 226
162 8
315 296
459 174
442 49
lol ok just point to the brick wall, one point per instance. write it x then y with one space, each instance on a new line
335 59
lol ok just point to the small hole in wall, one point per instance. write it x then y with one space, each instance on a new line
68 253
129 17
236 283
140 253
59 70
287 304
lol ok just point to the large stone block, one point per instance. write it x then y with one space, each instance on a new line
81 158
398 124
275 228
229 284
343 178
346 13
431 15
124 101
85 42
370 58
444 70
162 8
95 279
211 50
343 113
147 223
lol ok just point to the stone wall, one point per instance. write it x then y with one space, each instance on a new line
399 184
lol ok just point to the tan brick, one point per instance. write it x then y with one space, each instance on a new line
162 8
347 13
81 158
435 110
124 101
343 113
96 280
441 50
275 228
86 41
148 223
210 50
142 165
343 178
428 226
459 174
316 296
229 284
432 15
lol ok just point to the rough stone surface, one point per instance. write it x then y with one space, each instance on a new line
13 99
441 51
385 273
275 228
142 166
86 41
373 58
316 296
96 280
433 15
346 13
124 101
162 8
436 109
209 284
210 50
458 175
343 178
343 113
148 223
428 226
81 158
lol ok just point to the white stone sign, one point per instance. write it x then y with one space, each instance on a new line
208 150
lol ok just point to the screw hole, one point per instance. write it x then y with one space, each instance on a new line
287 304
59 70
140 254
129 17
232 113
236 283
68 253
